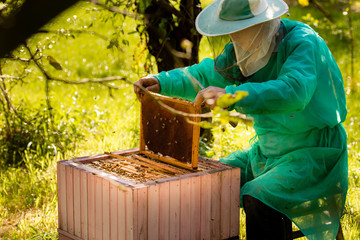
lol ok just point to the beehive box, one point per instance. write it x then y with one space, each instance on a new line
147 194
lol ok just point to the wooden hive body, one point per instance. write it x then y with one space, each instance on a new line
122 195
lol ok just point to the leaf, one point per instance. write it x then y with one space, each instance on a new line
125 42
114 42
54 63
228 99
143 4
304 3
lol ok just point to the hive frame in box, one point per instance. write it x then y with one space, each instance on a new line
203 203
174 143
94 204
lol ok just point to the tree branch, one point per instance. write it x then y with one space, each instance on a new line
88 80
10 77
32 15
322 10
10 106
117 10
167 7
74 31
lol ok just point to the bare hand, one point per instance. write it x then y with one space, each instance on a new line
150 83
208 97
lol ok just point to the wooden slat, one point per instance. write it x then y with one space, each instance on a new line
142 210
169 160
98 208
143 162
84 205
164 211
195 207
77 215
225 194
158 166
130 169
106 209
131 213
91 206
121 214
63 235
113 206
195 140
215 205
172 99
153 212
90 158
185 214
61 181
70 199
126 152
174 210
235 202
142 146
205 206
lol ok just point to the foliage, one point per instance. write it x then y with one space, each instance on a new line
338 29
220 115
166 26
8 8
227 99
32 130
65 118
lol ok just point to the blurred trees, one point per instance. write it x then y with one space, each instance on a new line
335 18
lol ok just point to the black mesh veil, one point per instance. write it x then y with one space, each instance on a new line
225 58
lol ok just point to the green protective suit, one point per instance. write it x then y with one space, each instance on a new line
298 165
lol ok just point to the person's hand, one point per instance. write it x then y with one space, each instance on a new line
208 97
150 83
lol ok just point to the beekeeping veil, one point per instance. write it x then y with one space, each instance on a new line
252 26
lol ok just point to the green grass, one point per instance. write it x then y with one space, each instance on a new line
109 120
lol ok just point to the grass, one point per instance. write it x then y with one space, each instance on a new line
109 120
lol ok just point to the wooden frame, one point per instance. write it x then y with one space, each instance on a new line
177 130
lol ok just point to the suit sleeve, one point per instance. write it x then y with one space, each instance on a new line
180 82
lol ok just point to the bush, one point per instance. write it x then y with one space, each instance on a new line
37 132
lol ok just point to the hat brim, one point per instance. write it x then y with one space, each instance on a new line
208 22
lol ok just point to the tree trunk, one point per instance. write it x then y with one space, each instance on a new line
171 35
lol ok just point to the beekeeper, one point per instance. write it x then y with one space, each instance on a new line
297 167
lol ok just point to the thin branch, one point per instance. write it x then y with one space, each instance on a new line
116 78
322 10
86 80
106 84
74 31
169 8
8 101
10 77
19 59
117 10
47 86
